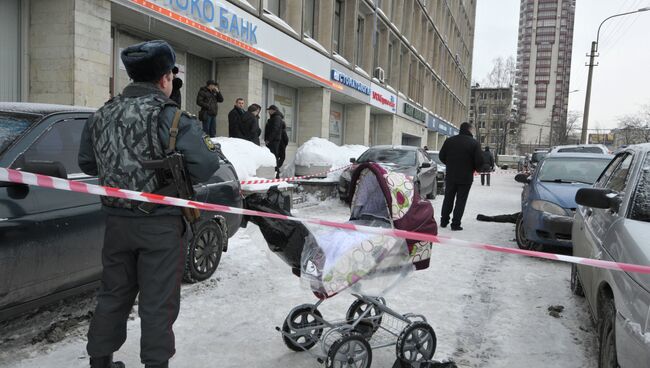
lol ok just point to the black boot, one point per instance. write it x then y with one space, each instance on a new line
105 362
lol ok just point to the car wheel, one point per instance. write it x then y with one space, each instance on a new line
204 251
441 189
576 285
607 330
522 241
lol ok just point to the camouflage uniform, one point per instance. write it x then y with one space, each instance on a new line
142 253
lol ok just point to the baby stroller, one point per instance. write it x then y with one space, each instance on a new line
367 266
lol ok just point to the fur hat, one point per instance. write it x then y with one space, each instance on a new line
148 61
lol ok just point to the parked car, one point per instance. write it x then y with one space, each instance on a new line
410 160
612 223
535 158
442 170
51 240
548 198
581 148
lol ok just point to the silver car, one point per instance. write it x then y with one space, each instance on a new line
613 223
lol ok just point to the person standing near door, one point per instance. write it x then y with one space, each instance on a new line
462 155
235 118
487 167
208 99
274 137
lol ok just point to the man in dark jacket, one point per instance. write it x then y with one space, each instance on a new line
208 99
462 156
273 136
251 124
235 129
487 167
177 84
143 252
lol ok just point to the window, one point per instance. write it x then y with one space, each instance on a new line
360 31
337 31
60 143
309 18
275 7
482 110
641 204
619 176
389 71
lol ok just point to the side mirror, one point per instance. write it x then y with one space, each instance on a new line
522 178
353 160
49 168
598 198
425 165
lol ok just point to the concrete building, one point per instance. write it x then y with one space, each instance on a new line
490 112
543 69
353 71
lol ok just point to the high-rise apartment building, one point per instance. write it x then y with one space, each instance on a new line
543 70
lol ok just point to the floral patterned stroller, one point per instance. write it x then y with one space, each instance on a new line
367 266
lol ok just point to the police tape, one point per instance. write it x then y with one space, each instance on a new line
294 178
498 172
14 176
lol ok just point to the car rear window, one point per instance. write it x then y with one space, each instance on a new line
435 157
641 204
394 156
538 156
581 149
12 126
573 170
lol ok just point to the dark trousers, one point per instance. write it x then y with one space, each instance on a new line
459 193
483 177
144 255
210 125
274 147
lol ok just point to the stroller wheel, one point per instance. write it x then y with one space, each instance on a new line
416 343
371 321
302 328
349 351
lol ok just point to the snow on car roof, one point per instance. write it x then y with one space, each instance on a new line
40 108
577 155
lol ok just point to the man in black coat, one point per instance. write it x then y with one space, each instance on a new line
274 137
235 129
208 98
487 167
177 84
250 124
462 156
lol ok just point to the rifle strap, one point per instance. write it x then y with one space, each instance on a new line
173 131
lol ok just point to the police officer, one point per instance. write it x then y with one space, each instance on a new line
143 252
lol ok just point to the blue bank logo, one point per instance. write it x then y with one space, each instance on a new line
217 17
350 82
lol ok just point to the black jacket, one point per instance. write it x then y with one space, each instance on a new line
274 128
250 127
177 84
208 101
488 162
235 129
462 155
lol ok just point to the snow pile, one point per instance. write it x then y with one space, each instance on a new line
245 156
322 152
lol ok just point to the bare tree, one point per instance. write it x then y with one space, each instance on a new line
502 73
633 129
563 130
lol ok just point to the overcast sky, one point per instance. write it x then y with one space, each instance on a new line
621 82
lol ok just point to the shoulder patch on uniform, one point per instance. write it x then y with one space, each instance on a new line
208 143
189 115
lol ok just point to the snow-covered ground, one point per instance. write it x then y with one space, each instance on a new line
488 309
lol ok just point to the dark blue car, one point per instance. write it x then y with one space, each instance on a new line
548 199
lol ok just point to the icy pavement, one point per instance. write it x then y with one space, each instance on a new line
488 309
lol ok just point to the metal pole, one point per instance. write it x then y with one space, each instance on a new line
585 119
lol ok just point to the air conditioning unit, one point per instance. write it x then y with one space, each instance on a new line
379 74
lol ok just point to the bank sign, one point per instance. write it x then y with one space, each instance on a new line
212 14
382 98
346 80
414 112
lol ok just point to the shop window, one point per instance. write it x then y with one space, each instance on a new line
310 15
337 31
336 123
275 6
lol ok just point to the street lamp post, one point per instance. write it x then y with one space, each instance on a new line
592 55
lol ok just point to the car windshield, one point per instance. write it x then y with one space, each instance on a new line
12 126
581 149
393 156
538 156
434 156
572 170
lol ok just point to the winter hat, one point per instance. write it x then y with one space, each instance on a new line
148 61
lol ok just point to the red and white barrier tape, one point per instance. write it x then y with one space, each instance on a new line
74 186
280 180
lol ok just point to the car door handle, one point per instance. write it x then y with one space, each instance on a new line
588 212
